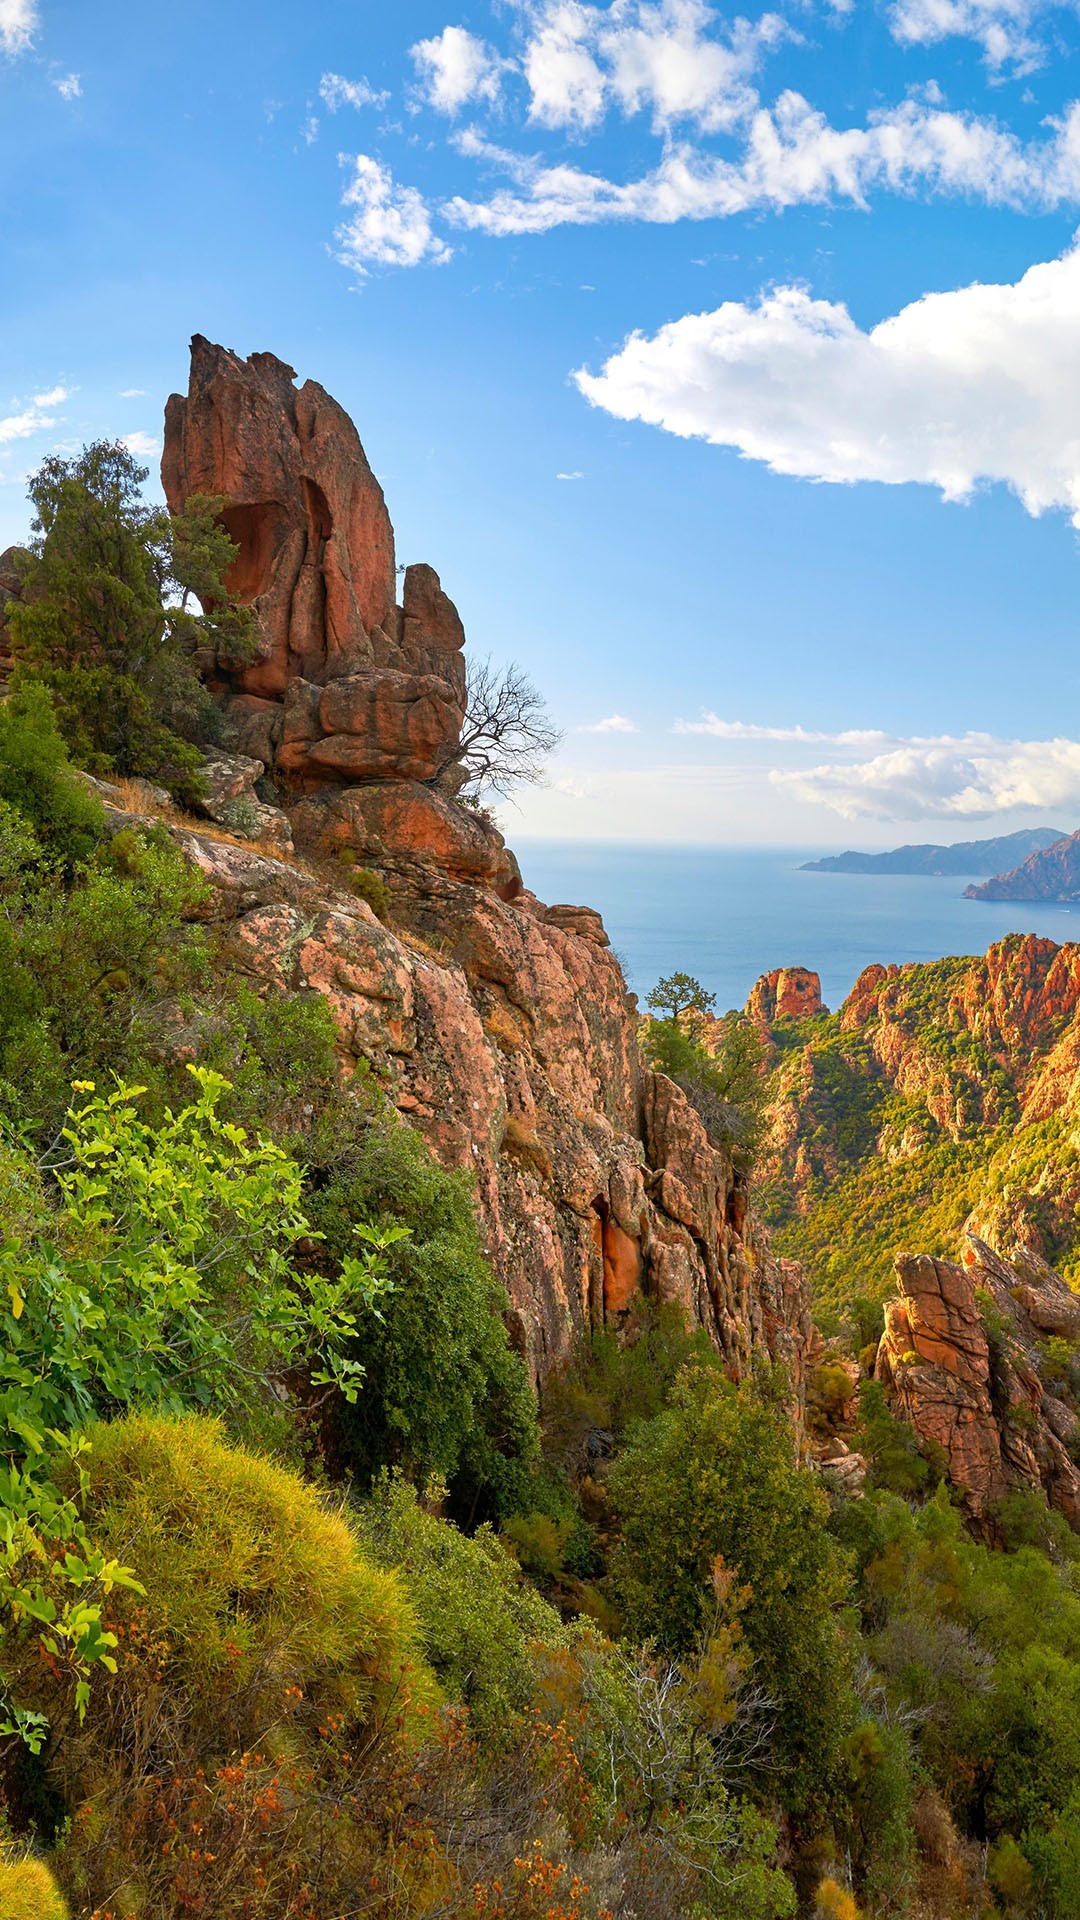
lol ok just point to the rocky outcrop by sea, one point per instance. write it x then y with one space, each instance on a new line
501 1026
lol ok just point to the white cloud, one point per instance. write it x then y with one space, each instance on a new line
132 393
388 225
36 417
615 723
146 444
566 85
69 87
454 68
977 385
970 778
310 130
710 723
1002 28
654 56
569 476
335 91
792 156
18 24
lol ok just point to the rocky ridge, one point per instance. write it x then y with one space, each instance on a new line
1050 873
502 1027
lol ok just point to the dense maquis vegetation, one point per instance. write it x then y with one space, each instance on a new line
306 1609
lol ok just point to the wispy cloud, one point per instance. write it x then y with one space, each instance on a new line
335 91
569 476
145 444
957 389
1004 29
388 225
69 87
615 723
710 723
37 416
19 22
132 393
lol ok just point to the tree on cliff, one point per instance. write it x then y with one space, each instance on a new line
105 615
507 734
718 1063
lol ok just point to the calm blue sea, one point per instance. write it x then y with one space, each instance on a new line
727 917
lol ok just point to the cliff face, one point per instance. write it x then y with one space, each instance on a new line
502 1026
963 1356
1050 874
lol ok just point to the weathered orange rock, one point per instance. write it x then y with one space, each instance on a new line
510 1042
985 1406
346 686
788 993
400 825
316 546
396 726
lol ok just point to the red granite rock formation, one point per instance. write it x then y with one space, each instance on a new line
960 1358
502 1028
346 684
788 993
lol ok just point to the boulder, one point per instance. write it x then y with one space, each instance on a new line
402 825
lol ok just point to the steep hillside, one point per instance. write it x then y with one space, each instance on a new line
939 1096
1050 874
501 1027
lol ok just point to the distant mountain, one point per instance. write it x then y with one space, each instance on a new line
967 856
1050 873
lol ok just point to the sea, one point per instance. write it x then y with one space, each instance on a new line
729 915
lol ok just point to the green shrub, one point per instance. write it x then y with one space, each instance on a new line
372 887
445 1394
715 1475
37 780
829 1394
29 1892
478 1618
104 621
162 1276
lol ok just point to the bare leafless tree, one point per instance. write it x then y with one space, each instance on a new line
507 735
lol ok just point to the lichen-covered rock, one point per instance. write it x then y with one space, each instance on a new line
402 826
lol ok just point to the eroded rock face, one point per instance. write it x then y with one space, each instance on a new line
788 993
506 1035
972 1383
316 562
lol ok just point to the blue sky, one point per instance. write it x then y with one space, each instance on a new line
727 367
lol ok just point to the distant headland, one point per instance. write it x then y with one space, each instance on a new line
995 856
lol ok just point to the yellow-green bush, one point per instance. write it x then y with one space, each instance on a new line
29 1892
260 1610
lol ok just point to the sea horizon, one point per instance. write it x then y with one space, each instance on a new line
729 914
